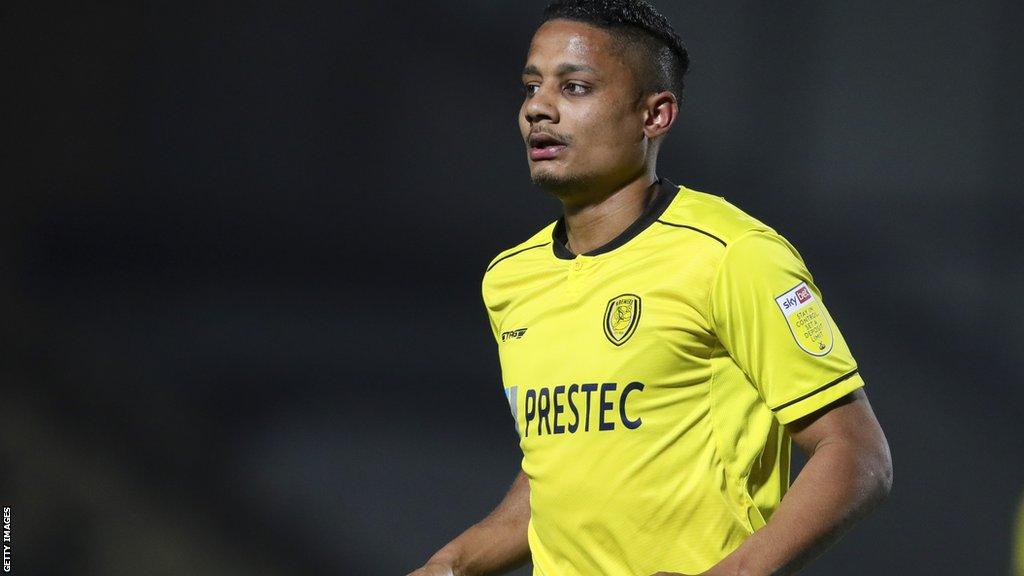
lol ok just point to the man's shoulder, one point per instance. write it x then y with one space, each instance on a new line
517 252
711 215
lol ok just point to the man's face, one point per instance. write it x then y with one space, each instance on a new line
581 117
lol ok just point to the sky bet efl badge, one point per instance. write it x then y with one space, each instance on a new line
621 317
807 320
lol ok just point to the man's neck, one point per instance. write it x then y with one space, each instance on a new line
590 225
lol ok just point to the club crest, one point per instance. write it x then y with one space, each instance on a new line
621 318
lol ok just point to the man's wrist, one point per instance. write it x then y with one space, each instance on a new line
450 559
741 561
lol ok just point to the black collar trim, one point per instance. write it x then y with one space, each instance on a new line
667 192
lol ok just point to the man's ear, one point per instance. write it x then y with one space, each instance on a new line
660 112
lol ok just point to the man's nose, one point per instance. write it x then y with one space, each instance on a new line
541 106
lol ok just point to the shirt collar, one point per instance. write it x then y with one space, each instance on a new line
666 193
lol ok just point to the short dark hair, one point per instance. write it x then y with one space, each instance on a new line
638 25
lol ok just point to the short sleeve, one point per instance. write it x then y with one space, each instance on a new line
770 317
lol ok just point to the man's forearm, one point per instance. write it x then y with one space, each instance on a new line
839 485
496 543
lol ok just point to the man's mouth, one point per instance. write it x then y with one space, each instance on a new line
545 146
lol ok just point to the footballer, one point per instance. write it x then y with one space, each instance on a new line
660 348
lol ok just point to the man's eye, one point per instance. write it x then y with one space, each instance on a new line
530 89
576 89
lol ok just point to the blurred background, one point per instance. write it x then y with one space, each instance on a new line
243 241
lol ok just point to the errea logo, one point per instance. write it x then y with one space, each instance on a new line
513 334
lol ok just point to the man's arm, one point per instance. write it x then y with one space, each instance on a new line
496 543
848 473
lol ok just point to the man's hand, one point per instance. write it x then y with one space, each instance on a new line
434 569
720 569
848 472
495 544
714 571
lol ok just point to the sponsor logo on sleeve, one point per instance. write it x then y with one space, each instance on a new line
806 319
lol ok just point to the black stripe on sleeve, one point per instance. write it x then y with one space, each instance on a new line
708 234
495 263
846 376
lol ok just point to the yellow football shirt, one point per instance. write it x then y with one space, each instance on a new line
650 380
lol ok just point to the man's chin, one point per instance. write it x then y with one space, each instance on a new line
555 183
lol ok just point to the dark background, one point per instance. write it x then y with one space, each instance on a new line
242 245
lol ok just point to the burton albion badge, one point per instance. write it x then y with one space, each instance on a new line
621 318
